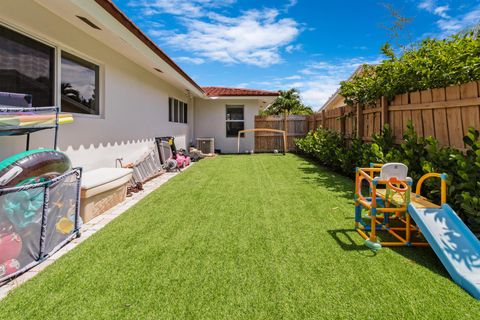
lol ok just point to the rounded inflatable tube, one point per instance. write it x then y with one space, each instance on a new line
25 207
32 166
10 247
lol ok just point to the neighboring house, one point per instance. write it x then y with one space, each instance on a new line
88 58
336 100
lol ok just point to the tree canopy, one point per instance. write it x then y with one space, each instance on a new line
288 102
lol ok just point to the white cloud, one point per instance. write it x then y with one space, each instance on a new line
292 48
442 11
255 37
318 80
427 5
324 78
290 4
455 24
432 7
191 60
192 8
447 23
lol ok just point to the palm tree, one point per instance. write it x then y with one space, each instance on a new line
287 101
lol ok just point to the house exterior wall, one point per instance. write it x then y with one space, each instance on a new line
134 102
337 102
210 122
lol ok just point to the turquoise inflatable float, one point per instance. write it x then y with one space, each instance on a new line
25 207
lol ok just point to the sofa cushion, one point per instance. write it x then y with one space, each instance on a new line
103 179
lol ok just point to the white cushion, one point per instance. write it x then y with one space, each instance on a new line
104 179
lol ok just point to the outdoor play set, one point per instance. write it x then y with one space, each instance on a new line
400 217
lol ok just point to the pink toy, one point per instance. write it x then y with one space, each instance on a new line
182 161
9 267
10 247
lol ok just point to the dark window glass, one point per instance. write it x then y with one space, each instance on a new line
180 116
79 85
233 128
175 111
234 113
185 113
26 66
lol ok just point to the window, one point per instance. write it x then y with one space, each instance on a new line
177 111
234 120
26 66
79 86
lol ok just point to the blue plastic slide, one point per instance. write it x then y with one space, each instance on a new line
455 245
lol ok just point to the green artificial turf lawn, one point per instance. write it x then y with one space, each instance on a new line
241 237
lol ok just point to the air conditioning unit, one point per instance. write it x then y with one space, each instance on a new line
206 145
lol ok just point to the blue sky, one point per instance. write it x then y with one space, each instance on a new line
267 44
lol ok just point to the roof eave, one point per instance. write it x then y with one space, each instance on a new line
118 15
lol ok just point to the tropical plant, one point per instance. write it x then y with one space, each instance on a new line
288 102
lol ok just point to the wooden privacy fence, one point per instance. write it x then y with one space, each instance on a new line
295 126
444 113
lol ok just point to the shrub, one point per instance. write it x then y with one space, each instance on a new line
421 155
430 64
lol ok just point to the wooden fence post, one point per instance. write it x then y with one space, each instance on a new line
360 123
314 117
385 116
285 127
342 120
324 120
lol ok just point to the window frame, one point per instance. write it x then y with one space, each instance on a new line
55 64
83 61
57 72
177 115
234 121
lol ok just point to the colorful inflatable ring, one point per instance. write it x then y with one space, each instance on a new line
25 207
30 166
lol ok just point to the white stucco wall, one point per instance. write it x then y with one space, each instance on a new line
134 102
210 122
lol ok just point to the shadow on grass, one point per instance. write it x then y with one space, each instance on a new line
423 256
327 179
347 239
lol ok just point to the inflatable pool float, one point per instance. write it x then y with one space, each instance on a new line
9 267
32 166
32 119
25 207
10 247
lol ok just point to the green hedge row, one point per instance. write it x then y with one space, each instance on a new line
430 64
421 155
